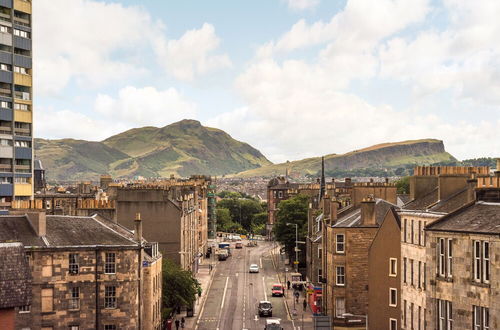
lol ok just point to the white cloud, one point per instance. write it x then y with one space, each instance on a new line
136 107
97 43
302 4
191 55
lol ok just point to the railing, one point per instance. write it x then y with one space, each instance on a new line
22 131
5 92
22 21
5 130
5 168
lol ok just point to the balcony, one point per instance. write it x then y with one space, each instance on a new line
5 168
23 169
4 17
23 116
22 21
22 79
23 189
5 92
22 131
23 5
6 130
25 96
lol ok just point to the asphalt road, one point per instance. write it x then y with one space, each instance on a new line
235 293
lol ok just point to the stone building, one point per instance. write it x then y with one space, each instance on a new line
434 192
463 253
15 284
174 214
347 238
88 273
384 275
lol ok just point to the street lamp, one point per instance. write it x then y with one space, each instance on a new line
296 242
353 315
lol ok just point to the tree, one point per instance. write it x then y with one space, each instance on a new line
224 222
293 210
241 210
179 286
403 185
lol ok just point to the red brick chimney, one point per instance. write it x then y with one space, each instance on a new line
368 211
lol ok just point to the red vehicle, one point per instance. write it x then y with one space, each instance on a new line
277 290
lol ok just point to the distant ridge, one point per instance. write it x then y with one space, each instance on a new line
385 155
182 148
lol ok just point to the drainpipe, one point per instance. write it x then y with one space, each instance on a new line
96 290
138 238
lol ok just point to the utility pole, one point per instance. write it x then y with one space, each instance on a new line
296 244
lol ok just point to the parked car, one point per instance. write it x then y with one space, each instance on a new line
238 245
265 308
277 290
253 268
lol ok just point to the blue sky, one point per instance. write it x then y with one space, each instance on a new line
293 78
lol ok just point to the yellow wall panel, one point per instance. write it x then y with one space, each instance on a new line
23 116
22 79
23 189
23 5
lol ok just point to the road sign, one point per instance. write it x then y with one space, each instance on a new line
295 262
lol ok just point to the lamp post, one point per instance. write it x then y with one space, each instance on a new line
352 315
296 242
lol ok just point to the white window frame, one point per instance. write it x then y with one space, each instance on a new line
393 322
449 258
337 243
391 302
339 276
441 257
393 267
486 267
320 275
25 309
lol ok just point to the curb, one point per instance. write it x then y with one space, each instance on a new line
279 278
205 297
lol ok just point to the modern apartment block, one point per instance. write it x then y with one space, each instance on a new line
16 101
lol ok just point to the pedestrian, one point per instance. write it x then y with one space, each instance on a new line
304 303
288 284
182 322
177 324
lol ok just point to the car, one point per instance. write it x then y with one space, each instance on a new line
265 308
273 324
238 245
277 290
253 268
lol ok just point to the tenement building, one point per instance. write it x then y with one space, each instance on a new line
434 192
463 251
16 102
87 273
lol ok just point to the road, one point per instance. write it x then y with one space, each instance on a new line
235 293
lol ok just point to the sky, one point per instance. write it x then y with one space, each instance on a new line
293 78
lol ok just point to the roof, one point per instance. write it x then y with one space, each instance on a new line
15 276
423 202
403 198
451 203
352 217
66 231
480 217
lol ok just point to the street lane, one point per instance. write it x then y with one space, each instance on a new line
235 293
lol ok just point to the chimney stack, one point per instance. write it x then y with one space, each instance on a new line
471 188
326 206
368 211
38 221
333 211
138 228
497 170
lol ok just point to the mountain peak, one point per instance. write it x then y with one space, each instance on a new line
186 123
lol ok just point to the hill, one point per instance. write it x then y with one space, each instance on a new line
384 156
183 148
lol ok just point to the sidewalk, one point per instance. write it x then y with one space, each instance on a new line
204 276
295 310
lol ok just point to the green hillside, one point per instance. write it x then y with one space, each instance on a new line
183 148
382 156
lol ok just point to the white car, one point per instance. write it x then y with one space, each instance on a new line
253 268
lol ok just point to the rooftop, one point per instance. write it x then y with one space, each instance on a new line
352 217
15 276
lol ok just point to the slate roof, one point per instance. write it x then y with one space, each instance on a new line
403 198
352 217
480 217
424 202
15 276
451 203
66 231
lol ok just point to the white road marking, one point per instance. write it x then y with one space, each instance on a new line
256 318
264 283
224 295
260 262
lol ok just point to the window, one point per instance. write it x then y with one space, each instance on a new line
404 270
320 253
404 313
21 33
411 316
445 312
19 106
482 261
340 278
280 194
25 309
73 263
412 231
393 297
5 143
393 324
445 257
420 233
47 300
109 327
393 267
419 318
110 297
24 180
411 272
481 318
110 265
339 306
6 105
419 277
320 275
425 277
24 144
73 327
405 230
74 301
5 180
4 29
340 246
21 70
5 67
